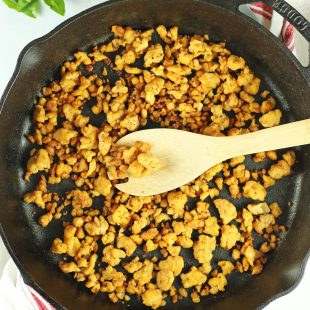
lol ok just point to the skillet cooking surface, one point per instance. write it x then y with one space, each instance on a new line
30 242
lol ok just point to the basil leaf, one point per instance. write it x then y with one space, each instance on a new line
57 5
28 7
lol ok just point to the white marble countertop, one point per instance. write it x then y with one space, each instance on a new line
16 30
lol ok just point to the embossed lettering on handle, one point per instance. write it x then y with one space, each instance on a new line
292 16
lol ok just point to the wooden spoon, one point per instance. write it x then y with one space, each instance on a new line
185 155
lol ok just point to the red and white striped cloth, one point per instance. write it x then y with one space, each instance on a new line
40 302
279 26
16 295
259 11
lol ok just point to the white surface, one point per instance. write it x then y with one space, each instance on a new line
16 30
11 287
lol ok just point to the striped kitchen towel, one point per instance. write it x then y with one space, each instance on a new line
279 26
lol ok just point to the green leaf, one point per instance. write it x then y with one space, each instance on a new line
57 5
28 7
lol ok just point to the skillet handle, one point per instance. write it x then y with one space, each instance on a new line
291 15
286 11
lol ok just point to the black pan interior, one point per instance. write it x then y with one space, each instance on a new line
270 61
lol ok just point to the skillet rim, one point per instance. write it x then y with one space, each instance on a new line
301 263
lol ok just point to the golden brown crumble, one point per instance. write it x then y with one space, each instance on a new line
188 83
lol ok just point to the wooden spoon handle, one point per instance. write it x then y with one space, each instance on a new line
279 137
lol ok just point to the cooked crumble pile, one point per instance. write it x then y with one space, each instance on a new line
184 82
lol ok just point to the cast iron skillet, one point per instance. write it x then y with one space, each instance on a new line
27 242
